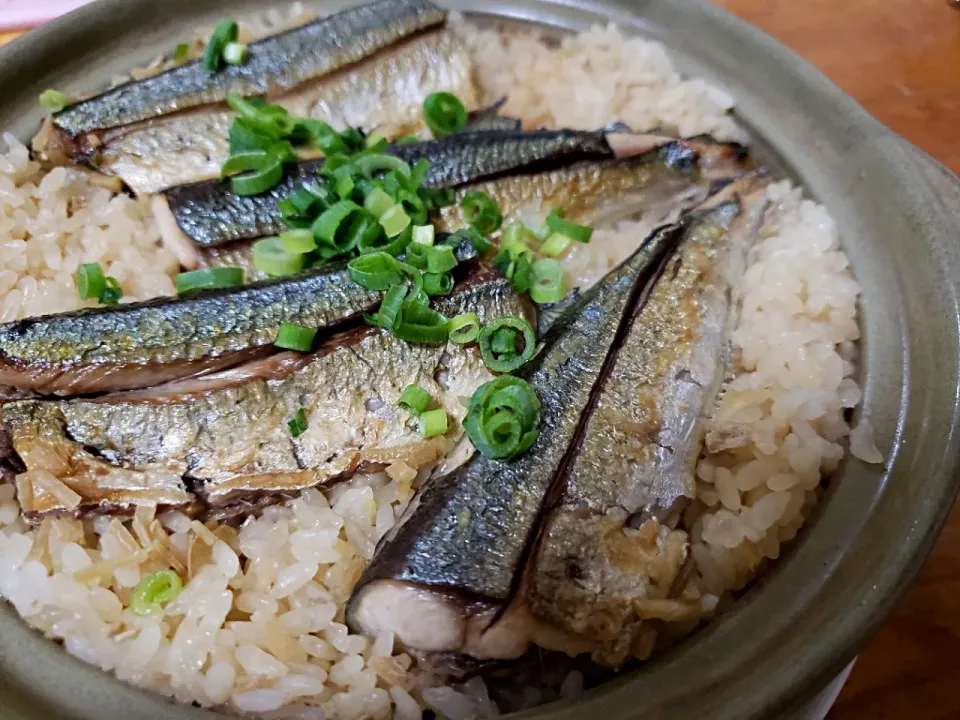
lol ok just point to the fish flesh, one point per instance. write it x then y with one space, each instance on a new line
371 67
147 343
226 446
209 214
611 544
447 571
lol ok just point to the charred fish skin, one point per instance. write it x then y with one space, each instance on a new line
468 534
210 214
384 93
604 549
229 445
277 63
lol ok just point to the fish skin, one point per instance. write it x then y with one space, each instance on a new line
210 214
640 447
142 344
230 445
384 93
469 531
277 63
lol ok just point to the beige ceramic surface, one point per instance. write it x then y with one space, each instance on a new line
898 212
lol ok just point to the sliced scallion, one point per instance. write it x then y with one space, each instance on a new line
433 422
503 418
224 33
420 324
376 271
515 233
270 257
555 245
480 243
437 283
90 281
424 234
298 425
261 178
181 53
377 162
209 279
386 316
548 282
235 53
395 220
112 293
481 211
508 359
378 202
464 328
154 591
444 114
340 227
557 223
294 337
440 259
53 100
414 399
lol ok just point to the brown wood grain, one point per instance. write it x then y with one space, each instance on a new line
901 60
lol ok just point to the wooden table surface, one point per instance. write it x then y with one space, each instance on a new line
901 60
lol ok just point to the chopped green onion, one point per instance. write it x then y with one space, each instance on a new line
298 425
224 33
424 234
271 120
414 399
370 242
420 324
464 328
378 202
386 316
433 422
241 162
413 206
376 271
508 359
555 245
181 53
417 255
320 134
370 164
53 100
480 243
394 220
437 283
112 293
294 337
244 138
154 591
440 259
481 211
209 279
270 257
504 342
373 139
261 178
556 223
235 53
514 262
548 282
406 140
503 418
515 234
444 114
345 186
339 229
90 281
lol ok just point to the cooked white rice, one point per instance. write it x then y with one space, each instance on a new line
259 624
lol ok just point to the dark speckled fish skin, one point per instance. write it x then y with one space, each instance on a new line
148 343
471 529
210 214
276 63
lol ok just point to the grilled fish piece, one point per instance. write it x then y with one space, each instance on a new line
441 578
148 343
209 214
605 547
370 66
227 446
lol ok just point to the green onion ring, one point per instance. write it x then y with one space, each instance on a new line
414 399
440 259
444 114
548 285
506 362
370 164
224 33
376 271
154 591
433 422
260 180
557 224
420 324
270 257
464 328
503 417
437 283
90 281
481 211
386 316
209 279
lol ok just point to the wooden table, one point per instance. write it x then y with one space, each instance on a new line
901 60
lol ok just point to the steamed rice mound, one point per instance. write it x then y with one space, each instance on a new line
259 625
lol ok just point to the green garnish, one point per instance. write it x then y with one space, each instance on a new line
112 293
181 53
437 284
464 328
503 418
235 53
53 100
424 234
154 591
394 221
376 271
481 211
224 33
297 242
420 324
498 349
378 202
514 262
557 224
294 337
386 316
555 245
433 422
370 164
548 281
298 425
209 279
444 114
265 172
93 285
414 399
515 233
270 257
480 243
440 259
339 229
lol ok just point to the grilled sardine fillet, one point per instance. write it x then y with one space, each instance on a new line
370 66
447 571
227 443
